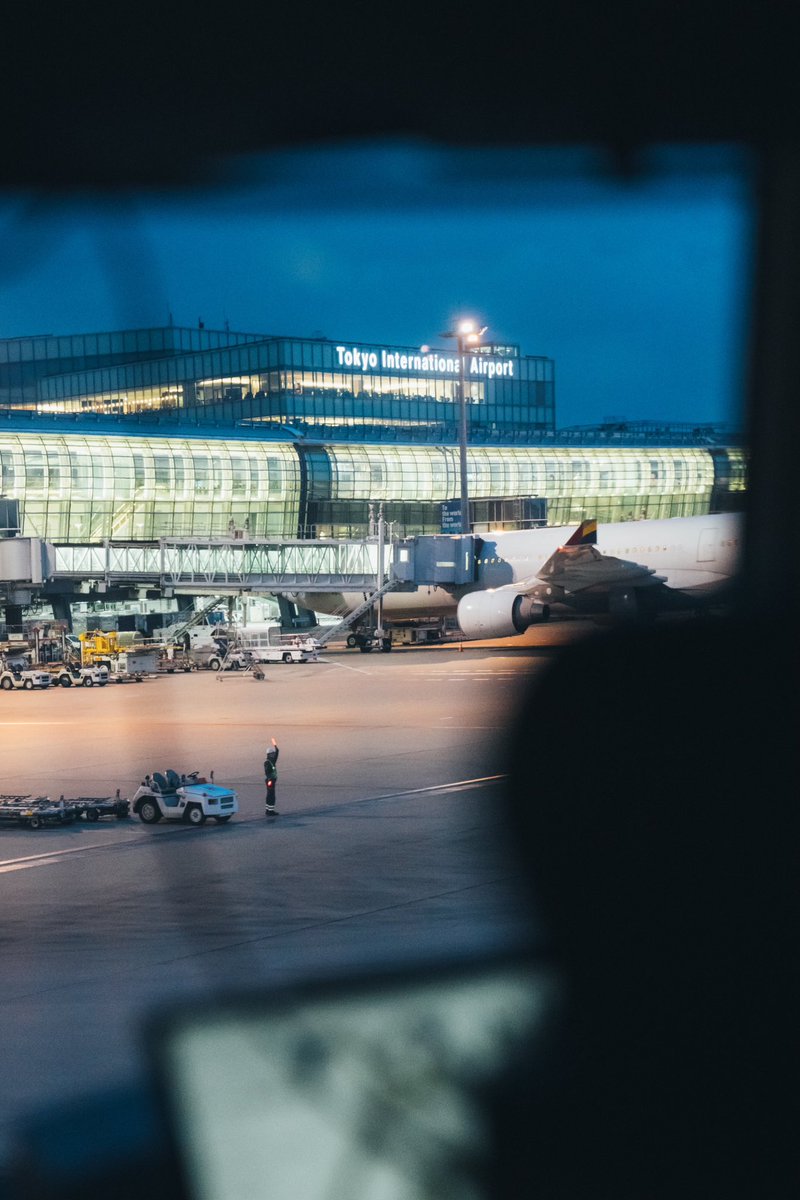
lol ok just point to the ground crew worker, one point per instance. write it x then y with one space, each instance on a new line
271 779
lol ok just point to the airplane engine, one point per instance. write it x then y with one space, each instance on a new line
498 614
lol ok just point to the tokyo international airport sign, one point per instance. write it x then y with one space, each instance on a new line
431 363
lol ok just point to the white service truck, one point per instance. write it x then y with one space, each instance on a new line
18 674
189 798
205 647
291 652
134 663
272 645
67 675
235 648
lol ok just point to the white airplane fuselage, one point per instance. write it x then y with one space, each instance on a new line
692 554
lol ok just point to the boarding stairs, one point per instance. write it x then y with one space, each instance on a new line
193 618
334 631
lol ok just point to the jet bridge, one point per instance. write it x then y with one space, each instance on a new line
437 559
25 564
442 559
271 565
226 564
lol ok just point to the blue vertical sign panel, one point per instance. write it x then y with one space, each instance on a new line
451 516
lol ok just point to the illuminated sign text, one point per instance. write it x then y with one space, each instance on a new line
432 362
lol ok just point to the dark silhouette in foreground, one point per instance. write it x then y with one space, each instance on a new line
654 806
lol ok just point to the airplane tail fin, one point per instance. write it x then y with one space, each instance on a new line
584 535
582 545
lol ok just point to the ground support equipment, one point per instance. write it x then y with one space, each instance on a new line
92 808
35 811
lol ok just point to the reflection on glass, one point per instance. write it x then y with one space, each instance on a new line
372 1093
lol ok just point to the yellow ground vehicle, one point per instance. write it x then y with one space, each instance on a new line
99 648
125 654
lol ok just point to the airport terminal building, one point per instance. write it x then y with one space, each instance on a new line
141 434
195 376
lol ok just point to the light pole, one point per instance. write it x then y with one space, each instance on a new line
467 334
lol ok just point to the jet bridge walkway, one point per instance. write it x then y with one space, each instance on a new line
227 565
270 564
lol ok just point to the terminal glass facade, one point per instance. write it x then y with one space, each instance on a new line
26 363
88 487
610 484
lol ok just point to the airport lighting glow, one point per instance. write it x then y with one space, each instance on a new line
465 333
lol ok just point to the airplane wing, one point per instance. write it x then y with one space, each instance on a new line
578 566
582 568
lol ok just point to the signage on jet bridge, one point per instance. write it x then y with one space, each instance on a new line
451 516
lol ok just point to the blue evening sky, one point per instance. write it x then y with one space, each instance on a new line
638 290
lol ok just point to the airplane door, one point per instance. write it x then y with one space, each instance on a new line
707 545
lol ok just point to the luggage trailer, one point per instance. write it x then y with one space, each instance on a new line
37 811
